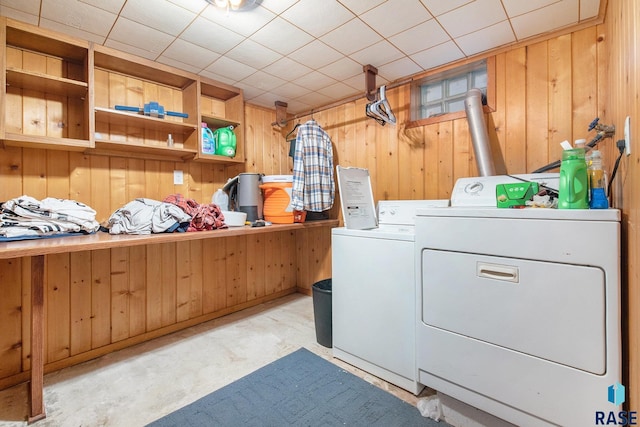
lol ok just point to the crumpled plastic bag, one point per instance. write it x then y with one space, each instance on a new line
430 407
545 201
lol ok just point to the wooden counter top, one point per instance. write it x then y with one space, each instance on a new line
36 249
101 240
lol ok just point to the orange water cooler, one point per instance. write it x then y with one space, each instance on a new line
277 198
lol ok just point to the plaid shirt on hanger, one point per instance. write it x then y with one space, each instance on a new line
313 185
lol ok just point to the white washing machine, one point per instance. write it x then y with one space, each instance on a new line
519 310
373 294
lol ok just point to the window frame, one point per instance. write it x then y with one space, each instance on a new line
421 80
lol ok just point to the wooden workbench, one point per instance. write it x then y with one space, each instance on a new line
36 250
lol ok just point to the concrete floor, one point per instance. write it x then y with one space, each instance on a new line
135 386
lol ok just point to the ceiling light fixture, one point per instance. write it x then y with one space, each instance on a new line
235 5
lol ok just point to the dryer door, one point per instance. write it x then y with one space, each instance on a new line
546 310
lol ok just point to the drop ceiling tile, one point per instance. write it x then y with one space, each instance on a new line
225 66
317 17
437 55
189 53
245 23
253 54
290 90
134 50
266 99
438 7
195 6
342 69
398 69
357 82
264 81
487 38
177 64
18 15
29 7
360 6
287 69
351 37
420 37
73 32
166 17
519 7
394 16
143 38
315 55
210 35
314 98
249 92
314 81
589 9
338 90
472 17
554 16
281 36
378 54
277 6
218 77
80 16
113 6
296 106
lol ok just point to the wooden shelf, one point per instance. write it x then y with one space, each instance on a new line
45 83
121 118
101 240
36 39
214 158
123 63
84 81
139 150
215 122
48 142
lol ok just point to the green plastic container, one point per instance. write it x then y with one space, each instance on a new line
225 141
573 191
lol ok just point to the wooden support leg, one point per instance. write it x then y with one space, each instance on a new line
37 339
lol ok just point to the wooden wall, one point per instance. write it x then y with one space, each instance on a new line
546 92
623 92
99 301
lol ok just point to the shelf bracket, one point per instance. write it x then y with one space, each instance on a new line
281 113
370 73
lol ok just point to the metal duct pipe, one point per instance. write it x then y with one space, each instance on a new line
479 134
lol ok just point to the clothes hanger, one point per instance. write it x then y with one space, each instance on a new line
370 113
290 134
380 110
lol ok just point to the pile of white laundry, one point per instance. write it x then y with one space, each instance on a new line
146 216
27 217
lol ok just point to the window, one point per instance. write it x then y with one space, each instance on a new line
444 92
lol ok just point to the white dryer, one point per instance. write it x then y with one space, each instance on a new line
519 310
373 294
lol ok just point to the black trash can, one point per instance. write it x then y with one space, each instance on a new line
322 312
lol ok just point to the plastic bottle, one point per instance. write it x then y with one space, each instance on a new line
221 198
573 188
225 141
597 182
208 142
580 144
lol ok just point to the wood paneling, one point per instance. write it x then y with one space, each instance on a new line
101 300
545 93
620 80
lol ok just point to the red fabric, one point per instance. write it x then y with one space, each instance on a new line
203 217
